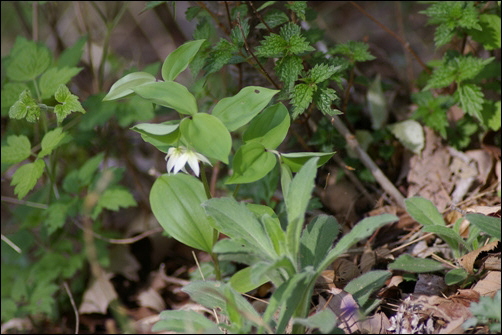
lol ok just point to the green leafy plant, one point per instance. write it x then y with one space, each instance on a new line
486 311
460 78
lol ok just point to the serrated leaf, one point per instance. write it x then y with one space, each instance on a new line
301 98
10 94
113 199
298 7
270 127
490 32
68 103
125 85
355 51
207 135
25 178
52 78
18 148
238 110
271 46
55 216
176 203
51 141
220 55
273 18
407 263
321 72
25 108
471 99
298 45
288 69
324 98
27 60
410 134
169 94
250 163
178 60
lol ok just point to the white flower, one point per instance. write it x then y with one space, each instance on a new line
177 158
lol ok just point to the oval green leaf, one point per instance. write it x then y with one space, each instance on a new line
238 110
251 162
169 94
270 127
296 160
207 135
176 203
162 136
124 86
178 60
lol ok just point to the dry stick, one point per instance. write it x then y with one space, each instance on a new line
368 162
73 305
405 44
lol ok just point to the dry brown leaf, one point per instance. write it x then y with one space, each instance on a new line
429 284
152 299
344 271
489 285
99 295
375 324
345 308
468 260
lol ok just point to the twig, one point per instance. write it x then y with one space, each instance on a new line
368 162
73 305
405 44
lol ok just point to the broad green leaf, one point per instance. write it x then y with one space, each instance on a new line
286 177
89 168
27 60
296 160
487 224
207 135
237 250
410 134
317 238
113 199
185 322
161 135
452 238
274 230
52 78
489 36
251 162
411 264
424 211
18 148
10 94
377 104
242 281
169 94
296 200
455 276
212 294
68 103
125 85
26 177
25 108
178 60
270 127
238 110
176 203
236 221
72 55
363 286
287 298
360 231
52 140
325 320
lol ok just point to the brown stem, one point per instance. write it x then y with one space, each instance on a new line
405 44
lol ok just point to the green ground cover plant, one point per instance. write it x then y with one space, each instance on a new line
65 186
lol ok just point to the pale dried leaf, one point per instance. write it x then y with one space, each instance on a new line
152 299
489 285
98 296
345 308
467 261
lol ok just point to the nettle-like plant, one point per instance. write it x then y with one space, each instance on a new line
467 75
283 253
